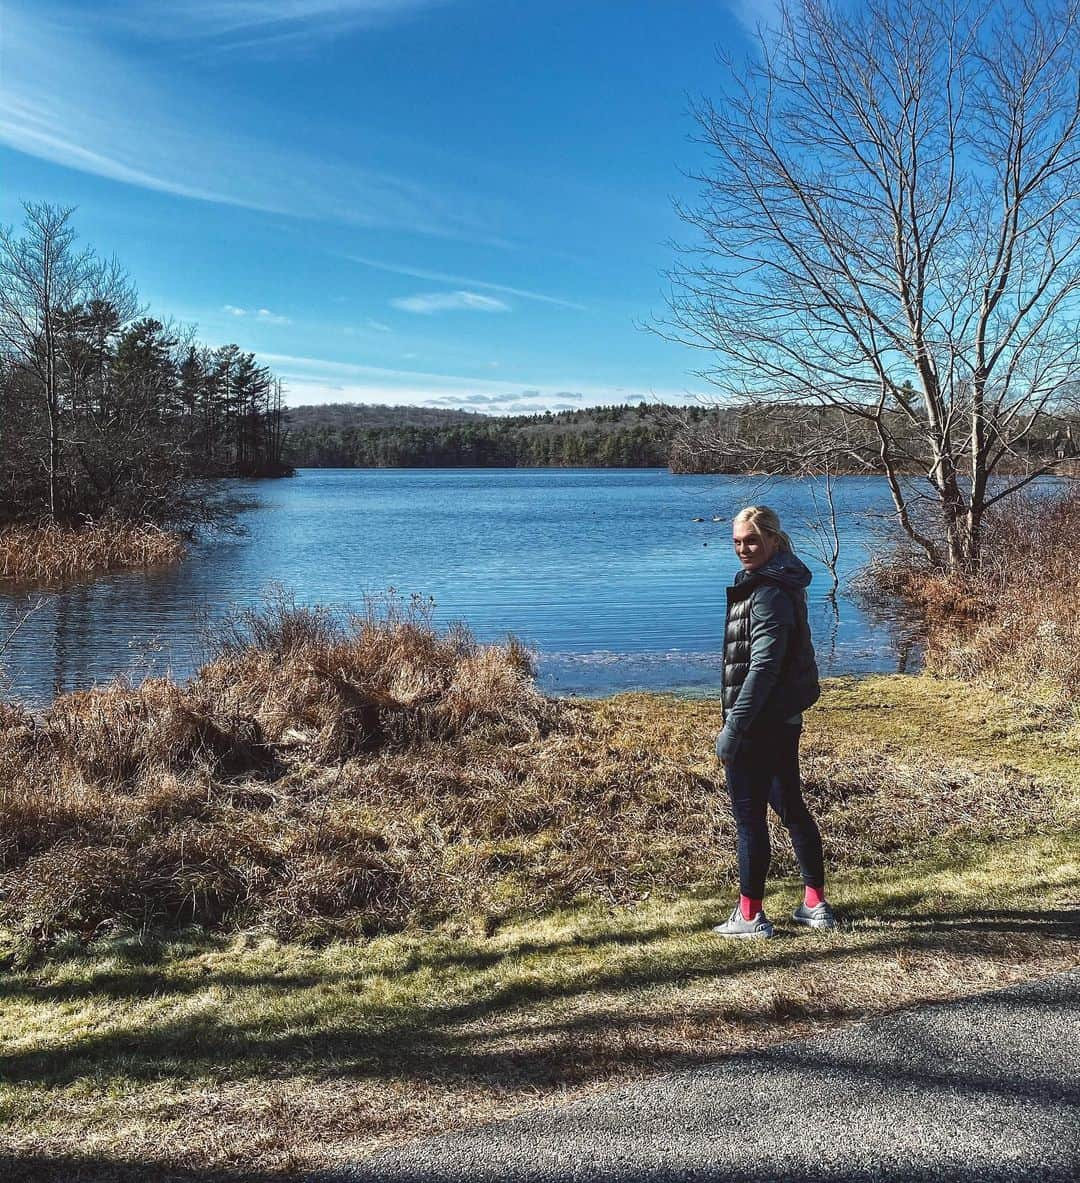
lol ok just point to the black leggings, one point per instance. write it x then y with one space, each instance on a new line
764 773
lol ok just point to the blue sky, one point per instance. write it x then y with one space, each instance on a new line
448 202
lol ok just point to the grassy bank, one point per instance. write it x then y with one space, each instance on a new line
318 781
356 884
47 552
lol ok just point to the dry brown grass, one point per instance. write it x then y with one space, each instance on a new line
320 778
1016 624
48 552
470 807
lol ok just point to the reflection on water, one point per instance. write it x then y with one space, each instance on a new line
605 572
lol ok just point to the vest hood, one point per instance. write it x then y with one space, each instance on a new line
784 568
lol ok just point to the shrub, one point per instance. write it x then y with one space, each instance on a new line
1016 623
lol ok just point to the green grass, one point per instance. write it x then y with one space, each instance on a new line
957 721
140 1057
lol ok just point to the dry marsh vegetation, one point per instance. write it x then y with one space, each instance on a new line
48 552
320 778
534 880
1016 623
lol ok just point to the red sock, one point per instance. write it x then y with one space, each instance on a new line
814 896
749 908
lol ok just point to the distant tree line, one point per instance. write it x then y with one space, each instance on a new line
794 439
106 413
803 438
600 437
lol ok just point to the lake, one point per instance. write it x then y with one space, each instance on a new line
604 572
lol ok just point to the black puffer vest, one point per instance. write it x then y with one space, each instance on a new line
796 686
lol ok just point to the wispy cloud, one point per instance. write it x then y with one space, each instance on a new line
429 303
367 327
115 117
267 26
442 277
756 14
317 380
323 369
40 127
263 315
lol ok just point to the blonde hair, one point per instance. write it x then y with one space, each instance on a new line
765 522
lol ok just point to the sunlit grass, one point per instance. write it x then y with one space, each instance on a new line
955 720
211 1051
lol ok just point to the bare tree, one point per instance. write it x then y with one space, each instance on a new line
44 279
824 528
890 225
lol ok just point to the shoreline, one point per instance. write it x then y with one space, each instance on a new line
180 1051
1067 471
682 693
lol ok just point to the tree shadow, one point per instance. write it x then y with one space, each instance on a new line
434 1052
422 1044
140 983
44 1168
434 1041
1057 924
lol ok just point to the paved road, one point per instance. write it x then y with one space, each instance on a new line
983 1089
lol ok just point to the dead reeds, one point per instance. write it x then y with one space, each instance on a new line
1016 622
322 777
49 552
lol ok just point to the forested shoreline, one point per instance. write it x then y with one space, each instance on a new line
108 413
688 439
357 436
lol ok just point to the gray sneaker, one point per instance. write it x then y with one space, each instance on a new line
748 930
818 917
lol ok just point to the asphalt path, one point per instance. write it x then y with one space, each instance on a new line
983 1089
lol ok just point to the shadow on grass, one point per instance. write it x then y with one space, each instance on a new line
1059 923
34 1168
903 1067
1053 925
427 1043
144 980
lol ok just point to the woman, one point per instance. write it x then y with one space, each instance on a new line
770 678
